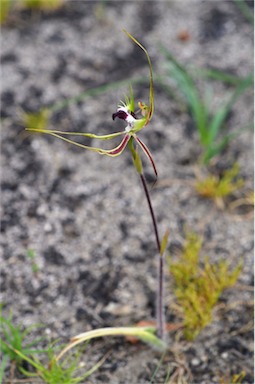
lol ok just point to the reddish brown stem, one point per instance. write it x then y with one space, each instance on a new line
160 293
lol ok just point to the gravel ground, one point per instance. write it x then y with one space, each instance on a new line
85 217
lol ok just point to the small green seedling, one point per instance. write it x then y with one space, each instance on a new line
209 124
219 188
31 255
197 286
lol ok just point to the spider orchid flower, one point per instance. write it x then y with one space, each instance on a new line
125 111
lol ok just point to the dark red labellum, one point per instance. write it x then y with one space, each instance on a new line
120 114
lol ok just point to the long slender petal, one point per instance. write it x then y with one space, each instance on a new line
147 152
120 148
108 152
92 135
151 109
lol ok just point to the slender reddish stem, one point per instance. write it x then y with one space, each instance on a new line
160 293
155 227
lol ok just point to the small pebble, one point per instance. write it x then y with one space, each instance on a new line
224 355
47 227
195 362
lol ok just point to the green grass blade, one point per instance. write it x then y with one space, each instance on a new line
11 333
246 11
217 148
220 117
33 362
4 362
216 74
153 377
189 90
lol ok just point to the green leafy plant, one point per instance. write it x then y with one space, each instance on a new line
135 121
209 125
198 285
218 188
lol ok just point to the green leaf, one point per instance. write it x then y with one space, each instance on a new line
222 76
4 363
146 334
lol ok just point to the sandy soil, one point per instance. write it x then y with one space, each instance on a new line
85 216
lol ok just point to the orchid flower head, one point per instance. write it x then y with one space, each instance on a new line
135 121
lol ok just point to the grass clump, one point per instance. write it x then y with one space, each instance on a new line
19 354
209 124
14 345
198 285
70 371
218 188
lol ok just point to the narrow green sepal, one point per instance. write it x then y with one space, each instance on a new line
136 158
138 163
